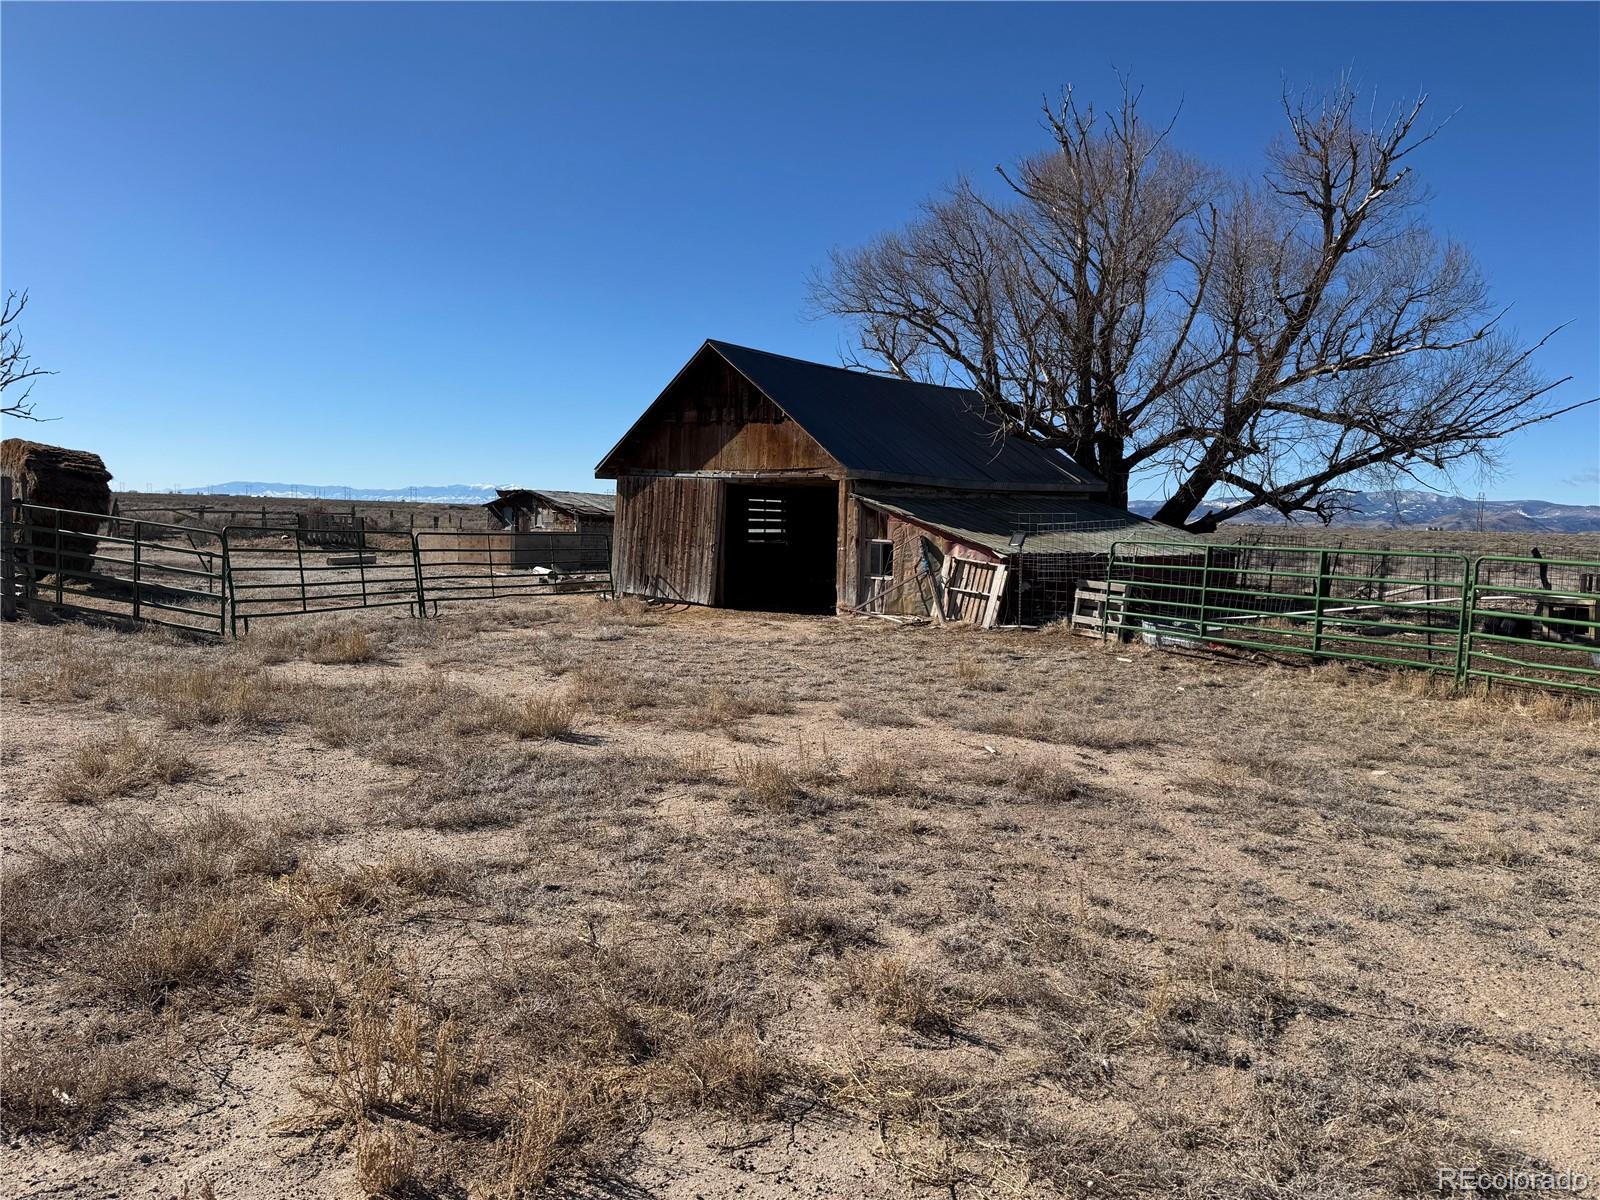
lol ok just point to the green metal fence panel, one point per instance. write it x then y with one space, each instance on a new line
120 567
202 581
1534 621
1383 607
275 573
290 572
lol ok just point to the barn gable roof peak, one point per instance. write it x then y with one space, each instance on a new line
876 427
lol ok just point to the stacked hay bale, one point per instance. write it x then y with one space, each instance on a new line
56 477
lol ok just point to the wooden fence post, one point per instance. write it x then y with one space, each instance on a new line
8 552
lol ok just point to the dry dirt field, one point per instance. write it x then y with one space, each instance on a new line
580 898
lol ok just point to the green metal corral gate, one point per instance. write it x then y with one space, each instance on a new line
1497 618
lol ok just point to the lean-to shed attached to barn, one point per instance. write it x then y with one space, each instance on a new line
760 481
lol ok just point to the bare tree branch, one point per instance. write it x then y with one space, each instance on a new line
1269 340
16 370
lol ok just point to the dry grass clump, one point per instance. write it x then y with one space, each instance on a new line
343 646
540 1063
66 1083
386 1164
876 712
315 639
1219 1007
189 696
906 996
97 771
1053 782
1032 722
1108 734
766 782
606 689
775 784
535 718
464 791
387 1052
723 707
379 718
978 676
877 774
68 667
135 911
319 896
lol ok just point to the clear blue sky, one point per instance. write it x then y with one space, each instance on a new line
386 245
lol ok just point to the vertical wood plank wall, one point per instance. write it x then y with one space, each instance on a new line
848 572
666 538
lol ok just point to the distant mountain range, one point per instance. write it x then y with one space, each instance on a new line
450 493
1429 510
1372 510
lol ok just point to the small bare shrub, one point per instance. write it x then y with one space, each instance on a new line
536 717
65 1084
185 697
605 689
978 676
902 995
721 707
389 1051
343 646
877 774
876 712
766 782
101 771
386 1165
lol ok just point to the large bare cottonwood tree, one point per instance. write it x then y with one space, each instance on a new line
1265 342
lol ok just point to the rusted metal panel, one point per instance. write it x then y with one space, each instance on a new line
667 538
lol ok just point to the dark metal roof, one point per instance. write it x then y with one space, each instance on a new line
1053 524
896 430
892 428
581 504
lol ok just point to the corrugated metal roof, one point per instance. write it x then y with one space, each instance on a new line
583 504
893 428
1053 524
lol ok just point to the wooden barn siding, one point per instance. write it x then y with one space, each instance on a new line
867 523
711 419
666 538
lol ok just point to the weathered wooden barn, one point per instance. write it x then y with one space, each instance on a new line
765 482
529 510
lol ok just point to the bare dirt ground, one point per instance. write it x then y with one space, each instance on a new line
577 898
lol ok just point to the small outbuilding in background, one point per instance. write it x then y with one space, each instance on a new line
527 510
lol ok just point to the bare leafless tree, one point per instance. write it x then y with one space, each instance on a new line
1266 341
16 370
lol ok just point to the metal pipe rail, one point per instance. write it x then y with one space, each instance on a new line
1176 592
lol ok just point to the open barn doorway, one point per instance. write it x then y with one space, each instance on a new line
780 547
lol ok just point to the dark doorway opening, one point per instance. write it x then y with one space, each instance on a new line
781 544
